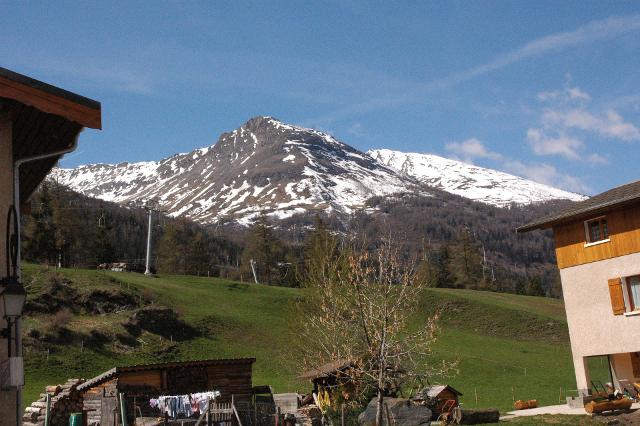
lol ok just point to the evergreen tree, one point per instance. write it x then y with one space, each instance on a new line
104 251
168 251
198 254
40 244
265 250
466 261
320 248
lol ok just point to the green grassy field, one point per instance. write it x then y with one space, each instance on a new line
507 346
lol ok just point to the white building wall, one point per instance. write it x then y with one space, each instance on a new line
593 328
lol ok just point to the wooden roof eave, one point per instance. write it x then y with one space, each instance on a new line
50 99
581 215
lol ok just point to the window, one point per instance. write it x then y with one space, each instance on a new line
596 230
633 292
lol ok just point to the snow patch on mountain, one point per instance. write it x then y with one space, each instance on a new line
470 181
263 166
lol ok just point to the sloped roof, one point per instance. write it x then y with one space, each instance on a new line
45 120
434 391
161 366
616 197
327 369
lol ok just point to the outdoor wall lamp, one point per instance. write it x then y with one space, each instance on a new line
12 299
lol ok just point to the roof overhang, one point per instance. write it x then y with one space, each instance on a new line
45 120
616 198
50 99
114 372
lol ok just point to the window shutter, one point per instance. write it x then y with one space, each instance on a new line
617 297
635 363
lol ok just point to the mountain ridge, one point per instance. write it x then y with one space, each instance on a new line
267 166
477 183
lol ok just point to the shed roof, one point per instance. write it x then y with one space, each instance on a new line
617 197
434 391
161 366
327 369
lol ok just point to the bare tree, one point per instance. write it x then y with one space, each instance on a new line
364 306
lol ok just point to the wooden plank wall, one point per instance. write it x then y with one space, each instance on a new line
624 235
92 399
230 379
148 378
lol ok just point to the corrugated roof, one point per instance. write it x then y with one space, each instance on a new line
164 365
616 197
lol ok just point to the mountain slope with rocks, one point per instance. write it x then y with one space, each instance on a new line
467 180
283 170
263 166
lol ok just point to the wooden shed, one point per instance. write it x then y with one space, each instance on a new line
139 383
436 396
333 377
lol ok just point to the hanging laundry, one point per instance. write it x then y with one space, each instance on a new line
183 405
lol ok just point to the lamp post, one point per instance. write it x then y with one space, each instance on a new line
12 298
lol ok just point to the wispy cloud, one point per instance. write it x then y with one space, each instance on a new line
591 32
565 95
609 124
567 119
470 150
473 149
563 145
356 129
548 175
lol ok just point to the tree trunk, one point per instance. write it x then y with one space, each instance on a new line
379 409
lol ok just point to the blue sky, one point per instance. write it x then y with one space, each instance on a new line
545 90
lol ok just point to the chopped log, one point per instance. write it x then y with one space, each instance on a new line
525 405
601 406
473 417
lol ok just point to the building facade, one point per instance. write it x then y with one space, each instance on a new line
598 254
38 124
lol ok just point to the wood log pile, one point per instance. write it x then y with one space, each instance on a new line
65 399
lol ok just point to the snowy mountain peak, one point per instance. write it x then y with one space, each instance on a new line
264 165
477 183
280 169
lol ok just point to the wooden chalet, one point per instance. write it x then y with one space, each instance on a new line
139 383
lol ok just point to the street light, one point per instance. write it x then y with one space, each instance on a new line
12 299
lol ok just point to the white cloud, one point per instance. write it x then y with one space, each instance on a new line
567 120
609 124
471 149
565 95
597 159
548 175
356 129
563 145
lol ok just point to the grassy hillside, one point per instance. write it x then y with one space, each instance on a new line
506 345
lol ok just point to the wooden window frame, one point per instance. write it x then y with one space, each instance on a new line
587 230
633 304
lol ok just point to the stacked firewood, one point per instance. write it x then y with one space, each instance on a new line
65 399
